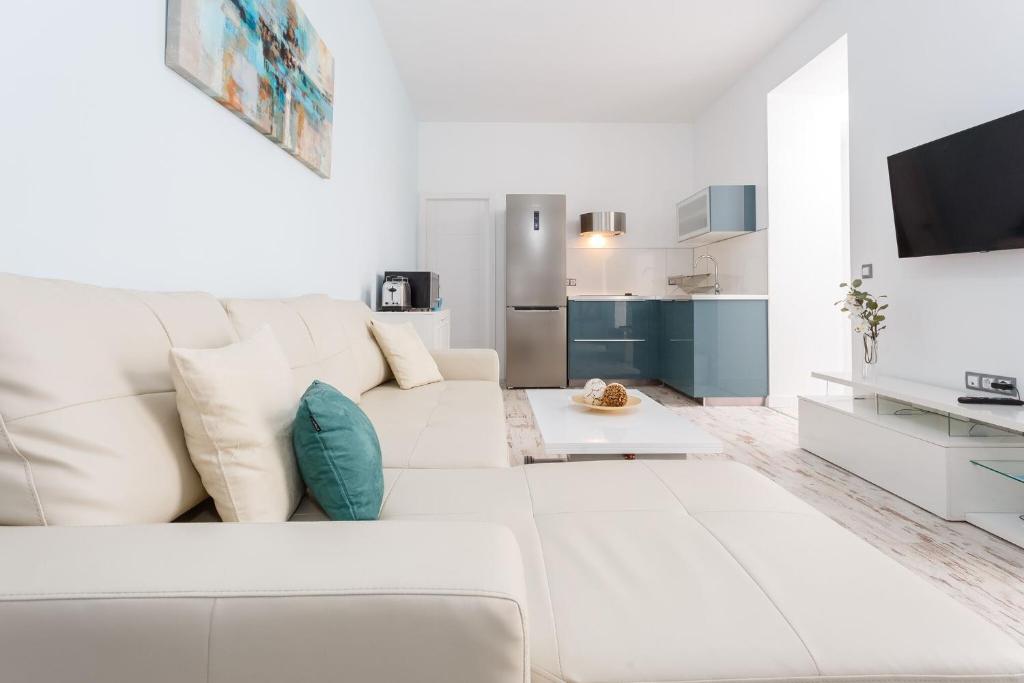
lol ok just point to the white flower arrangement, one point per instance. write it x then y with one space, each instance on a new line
863 309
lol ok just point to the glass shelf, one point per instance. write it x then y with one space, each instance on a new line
1012 469
955 426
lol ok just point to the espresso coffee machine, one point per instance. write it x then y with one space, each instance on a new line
424 288
394 295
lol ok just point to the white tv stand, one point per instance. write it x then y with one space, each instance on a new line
916 441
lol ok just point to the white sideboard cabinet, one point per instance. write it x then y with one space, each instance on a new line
434 327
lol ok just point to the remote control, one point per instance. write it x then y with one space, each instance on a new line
992 400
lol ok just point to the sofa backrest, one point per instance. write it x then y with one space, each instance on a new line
323 338
89 428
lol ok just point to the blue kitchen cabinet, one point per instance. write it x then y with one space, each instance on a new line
676 345
716 213
613 339
715 348
703 348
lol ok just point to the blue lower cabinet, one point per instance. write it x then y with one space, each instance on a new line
613 339
608 360
715 348
730 352
703 348
676 345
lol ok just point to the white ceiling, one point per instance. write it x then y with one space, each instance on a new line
578 60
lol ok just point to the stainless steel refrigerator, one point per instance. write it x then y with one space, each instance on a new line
535 350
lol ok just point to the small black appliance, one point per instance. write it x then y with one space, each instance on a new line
424 287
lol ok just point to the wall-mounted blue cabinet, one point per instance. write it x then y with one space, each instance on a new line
716 213
613 339
704 348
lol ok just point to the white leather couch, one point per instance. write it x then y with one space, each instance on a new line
477 572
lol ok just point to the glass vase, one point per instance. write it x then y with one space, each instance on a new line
867 368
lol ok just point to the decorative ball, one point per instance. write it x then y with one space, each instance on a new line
614 396
593 391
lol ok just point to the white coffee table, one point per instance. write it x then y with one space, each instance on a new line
650 428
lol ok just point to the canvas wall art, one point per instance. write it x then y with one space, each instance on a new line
264 61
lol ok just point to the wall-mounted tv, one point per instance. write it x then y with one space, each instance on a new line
961 193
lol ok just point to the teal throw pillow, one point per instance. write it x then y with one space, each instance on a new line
338 454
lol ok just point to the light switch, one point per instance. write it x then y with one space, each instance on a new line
866 271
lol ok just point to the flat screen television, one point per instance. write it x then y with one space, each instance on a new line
961 193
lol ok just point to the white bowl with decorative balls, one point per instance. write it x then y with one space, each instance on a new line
612 397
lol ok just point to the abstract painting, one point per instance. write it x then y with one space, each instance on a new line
263 60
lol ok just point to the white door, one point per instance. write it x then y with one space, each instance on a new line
458 246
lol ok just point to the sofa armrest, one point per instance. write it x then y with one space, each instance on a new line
360 601
481 364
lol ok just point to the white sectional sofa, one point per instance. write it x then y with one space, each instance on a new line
477 571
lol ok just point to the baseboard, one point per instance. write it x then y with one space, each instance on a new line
748 401
777 401
574 383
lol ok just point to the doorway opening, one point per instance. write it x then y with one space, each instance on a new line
809 219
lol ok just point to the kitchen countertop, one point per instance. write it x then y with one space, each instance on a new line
673 297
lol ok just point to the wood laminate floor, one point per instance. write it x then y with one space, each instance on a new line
981 571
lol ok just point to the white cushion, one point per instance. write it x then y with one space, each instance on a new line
481 364
455 423
237 405
310 336
324 339
89 430
407 355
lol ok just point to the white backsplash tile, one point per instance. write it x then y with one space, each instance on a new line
742 268
742 263
616 271
680 261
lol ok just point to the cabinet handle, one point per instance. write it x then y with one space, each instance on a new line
609 340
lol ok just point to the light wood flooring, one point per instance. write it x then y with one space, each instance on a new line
980 570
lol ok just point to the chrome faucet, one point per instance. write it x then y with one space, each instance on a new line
709 257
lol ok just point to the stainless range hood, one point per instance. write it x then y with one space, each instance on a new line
603 223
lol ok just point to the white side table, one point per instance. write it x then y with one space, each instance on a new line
434 327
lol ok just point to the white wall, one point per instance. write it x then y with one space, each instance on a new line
641 169
730 137
808 161
730 142
920 74
117 171
918 70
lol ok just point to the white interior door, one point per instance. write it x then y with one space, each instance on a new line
458 246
